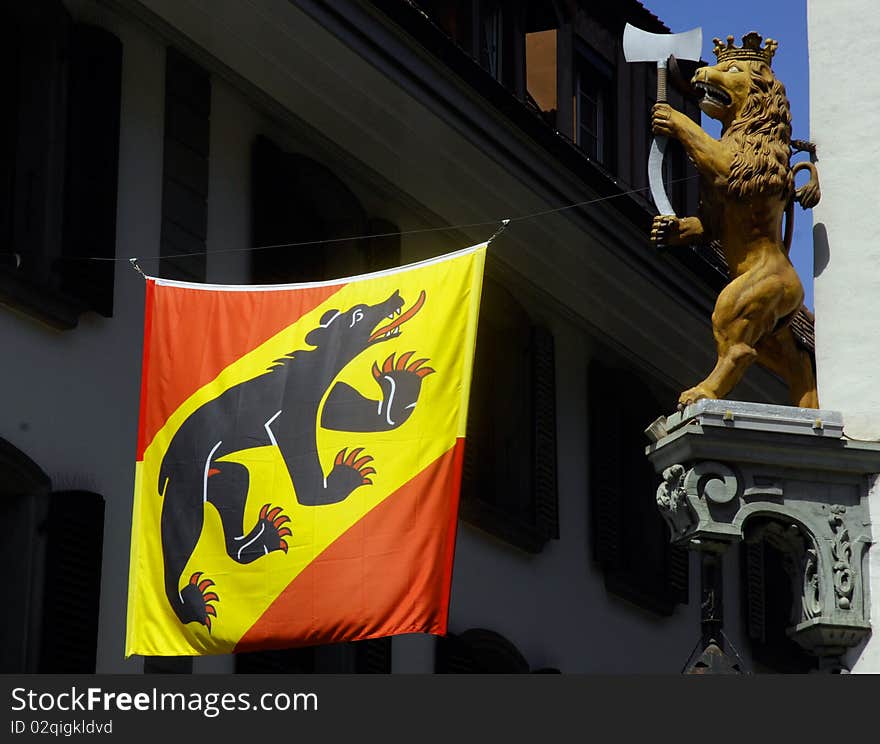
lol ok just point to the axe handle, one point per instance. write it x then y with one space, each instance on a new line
661 82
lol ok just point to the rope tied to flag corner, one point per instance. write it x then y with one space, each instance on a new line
134 264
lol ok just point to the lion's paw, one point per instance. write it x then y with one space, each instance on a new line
661 229
689 397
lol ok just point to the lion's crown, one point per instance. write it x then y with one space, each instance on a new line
750 50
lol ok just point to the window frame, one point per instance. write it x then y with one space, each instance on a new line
589 65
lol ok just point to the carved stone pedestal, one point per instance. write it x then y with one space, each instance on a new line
745 471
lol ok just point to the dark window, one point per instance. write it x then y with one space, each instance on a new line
55 542
478 651
287 661
74 547
295 199
454 18
491 38
58 171
185 169
509 480
594 106
372 656
772 571
168 665
630 538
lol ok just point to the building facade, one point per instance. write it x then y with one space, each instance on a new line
186 134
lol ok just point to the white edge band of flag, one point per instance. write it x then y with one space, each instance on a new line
328 283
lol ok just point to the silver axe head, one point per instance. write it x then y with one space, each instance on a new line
643 46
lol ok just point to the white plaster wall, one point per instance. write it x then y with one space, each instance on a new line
866 658
844 111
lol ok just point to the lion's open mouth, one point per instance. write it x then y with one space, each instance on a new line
713 94
398 319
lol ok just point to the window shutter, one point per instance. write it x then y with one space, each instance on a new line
58 163
509 473
72 586
754 574
40 32
168 664
185 168
478 651
9 77
630 539
773 595
605 466
95 82
24 493
452 656
372 656
286 661
679 573
544 386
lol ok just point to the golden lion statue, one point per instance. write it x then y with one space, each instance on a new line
747 184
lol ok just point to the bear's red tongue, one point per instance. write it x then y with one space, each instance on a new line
401 319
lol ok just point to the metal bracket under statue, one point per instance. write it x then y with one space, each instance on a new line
643 46
734 471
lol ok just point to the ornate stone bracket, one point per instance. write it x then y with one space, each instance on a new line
734 471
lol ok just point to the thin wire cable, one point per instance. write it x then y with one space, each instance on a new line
742 664
505 221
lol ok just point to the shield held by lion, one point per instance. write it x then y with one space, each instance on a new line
747 185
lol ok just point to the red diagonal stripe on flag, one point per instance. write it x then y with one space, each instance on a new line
389 573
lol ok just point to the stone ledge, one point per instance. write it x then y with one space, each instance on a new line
754 416
781 436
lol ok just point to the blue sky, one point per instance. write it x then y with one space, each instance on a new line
785 21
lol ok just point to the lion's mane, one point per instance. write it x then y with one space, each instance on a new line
761 134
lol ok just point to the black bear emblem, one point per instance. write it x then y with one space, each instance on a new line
280 407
